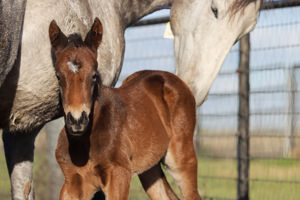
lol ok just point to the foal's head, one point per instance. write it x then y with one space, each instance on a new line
76 70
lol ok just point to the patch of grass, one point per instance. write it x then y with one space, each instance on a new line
275 170
136 190
217 177
217 188
269 179
41 176
274 179
4 178
274 190
284 162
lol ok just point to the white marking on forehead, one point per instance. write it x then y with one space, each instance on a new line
73 67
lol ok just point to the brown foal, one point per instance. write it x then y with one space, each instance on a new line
110 134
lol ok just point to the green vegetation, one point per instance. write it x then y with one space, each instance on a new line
270 179
4 178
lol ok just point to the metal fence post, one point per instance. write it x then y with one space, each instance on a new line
243 120
289 142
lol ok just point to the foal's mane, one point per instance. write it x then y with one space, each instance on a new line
75 40
241 4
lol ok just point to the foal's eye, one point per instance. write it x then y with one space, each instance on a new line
94 77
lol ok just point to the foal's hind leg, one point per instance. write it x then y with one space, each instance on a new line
181 160
155 184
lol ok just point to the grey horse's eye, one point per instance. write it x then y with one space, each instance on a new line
215 11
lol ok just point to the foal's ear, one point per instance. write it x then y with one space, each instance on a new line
57 37
94 36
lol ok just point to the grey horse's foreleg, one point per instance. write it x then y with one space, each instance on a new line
19 153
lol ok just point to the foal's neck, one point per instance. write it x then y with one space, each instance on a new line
79 149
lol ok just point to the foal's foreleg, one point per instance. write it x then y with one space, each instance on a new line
155 184
118 183
76 190
19 153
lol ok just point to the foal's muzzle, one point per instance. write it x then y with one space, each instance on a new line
77 126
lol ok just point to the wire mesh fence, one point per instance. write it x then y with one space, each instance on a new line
274 112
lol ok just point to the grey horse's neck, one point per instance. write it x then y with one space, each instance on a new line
116 16
133 10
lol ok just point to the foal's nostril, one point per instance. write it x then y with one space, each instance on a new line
83 118
70 119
